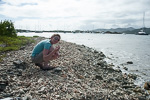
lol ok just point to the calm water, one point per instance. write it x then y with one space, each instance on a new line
119 49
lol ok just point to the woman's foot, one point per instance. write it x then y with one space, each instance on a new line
47 67
38 64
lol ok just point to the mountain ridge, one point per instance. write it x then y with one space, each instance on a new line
129 30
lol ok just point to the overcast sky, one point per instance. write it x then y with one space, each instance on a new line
75 14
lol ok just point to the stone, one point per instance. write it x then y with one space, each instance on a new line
7 99
125 68
147 86
42 89
133 76
27 97
22 48
68 96
78 80
3 85
127 86
16 98
57 70
129 62
20 64
40 80
98 77
21 91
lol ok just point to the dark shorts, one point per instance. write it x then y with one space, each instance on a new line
37 58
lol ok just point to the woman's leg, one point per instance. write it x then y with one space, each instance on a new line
55 56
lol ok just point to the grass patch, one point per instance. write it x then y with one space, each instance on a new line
35 36
13 43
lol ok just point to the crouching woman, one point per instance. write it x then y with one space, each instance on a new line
44 51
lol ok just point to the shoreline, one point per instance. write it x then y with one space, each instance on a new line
81 73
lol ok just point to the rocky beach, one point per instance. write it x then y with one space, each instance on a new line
81 73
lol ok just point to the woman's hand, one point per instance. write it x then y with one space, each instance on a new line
57 48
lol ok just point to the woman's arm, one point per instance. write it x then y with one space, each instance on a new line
48 55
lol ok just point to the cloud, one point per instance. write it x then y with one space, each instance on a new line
75 14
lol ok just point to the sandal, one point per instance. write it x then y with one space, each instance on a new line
40 65
47 68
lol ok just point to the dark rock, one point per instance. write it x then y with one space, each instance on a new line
7 94
117 70
142 98
16 98
129 62
102 63
147 86
19 73
127 86
110 70
22 48
124 82
99 77
20 64
57 70
110 80
125 68
79 49
3 85
102 55
96 51
133 76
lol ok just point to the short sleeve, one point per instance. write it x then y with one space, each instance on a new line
47 46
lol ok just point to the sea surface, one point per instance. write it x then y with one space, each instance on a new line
119 49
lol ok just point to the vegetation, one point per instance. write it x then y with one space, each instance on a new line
7 29
13 43
35 36
9 40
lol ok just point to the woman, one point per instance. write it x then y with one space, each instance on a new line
44 51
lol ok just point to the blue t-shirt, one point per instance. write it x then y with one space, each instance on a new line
44 44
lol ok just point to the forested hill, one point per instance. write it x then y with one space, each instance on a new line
129 30
115 29
135 31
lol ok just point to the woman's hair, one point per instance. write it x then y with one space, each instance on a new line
55 35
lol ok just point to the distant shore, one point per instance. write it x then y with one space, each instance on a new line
81 73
